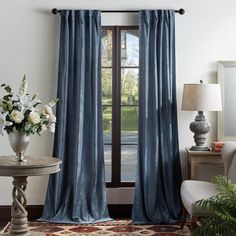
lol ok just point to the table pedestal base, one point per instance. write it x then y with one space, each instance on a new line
19 221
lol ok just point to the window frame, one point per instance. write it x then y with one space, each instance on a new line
116 105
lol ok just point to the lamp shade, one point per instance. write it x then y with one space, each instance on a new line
201 97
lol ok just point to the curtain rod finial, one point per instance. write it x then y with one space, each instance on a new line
181 11
54 11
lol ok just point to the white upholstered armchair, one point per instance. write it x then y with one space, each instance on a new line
193 190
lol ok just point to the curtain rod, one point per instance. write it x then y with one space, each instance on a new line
181 11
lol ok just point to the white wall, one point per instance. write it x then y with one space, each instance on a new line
29 45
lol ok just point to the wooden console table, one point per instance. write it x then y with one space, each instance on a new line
198 158
33 166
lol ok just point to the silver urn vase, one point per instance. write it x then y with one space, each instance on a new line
19 143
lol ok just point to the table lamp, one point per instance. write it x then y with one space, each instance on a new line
201 97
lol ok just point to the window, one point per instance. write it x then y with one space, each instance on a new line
120 72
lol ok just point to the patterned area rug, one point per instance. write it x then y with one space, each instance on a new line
116 227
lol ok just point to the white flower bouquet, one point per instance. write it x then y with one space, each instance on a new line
21 114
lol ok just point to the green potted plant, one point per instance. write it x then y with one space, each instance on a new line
220 217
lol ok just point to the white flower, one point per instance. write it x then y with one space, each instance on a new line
17 116
20 112
27 103
47 110
3 122
23 87
52 118
34 117
51 127
53 102
43 128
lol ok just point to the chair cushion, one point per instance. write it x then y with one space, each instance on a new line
192 191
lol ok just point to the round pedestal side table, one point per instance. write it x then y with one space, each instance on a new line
33 166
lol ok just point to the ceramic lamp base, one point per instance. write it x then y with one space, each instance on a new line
200 128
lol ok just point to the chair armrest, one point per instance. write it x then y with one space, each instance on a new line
227 153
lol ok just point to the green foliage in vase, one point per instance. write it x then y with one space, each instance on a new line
220 219
23 114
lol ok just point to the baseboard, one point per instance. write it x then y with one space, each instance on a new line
35 211
120 210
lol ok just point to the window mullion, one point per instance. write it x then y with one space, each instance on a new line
118 50
116 149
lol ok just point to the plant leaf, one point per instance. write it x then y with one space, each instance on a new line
8 88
